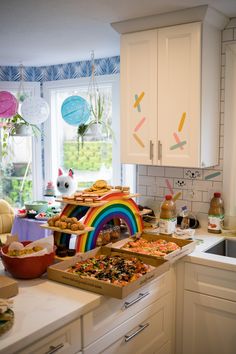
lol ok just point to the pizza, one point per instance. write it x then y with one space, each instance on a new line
115 269
158 248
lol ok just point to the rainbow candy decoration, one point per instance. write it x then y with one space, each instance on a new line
117 206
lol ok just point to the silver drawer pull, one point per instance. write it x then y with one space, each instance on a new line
140 297
53 348
140 329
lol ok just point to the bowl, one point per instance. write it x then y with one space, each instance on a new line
37 205
26 267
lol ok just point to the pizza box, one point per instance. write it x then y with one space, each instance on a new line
186 246
58 273
8 287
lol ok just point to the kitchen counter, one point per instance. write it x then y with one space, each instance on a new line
43 306
205 241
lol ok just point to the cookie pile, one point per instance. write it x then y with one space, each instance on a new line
64 222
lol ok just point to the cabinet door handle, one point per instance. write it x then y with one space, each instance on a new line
151 150
140 297
159 150
53 348
140 329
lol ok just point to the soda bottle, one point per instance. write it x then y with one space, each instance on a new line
168 216
216 214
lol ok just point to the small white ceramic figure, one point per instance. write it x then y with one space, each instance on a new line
66 184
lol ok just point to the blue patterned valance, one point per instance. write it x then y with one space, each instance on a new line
103 66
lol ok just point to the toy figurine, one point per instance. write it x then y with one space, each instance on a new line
66 184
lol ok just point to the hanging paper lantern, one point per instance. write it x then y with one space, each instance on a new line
75 110
8 104
35 110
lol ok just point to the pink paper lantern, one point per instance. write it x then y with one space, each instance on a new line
8 104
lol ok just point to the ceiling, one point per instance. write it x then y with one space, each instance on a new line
46 32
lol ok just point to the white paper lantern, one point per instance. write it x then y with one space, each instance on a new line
35 110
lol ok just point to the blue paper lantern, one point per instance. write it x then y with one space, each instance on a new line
75 110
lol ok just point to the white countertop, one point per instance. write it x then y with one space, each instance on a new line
42 306
208 240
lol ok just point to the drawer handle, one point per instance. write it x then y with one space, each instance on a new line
140 329
140 297
53 349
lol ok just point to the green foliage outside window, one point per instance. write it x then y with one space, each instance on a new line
91 157
11 191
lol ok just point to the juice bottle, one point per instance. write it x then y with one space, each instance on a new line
168 216
216 214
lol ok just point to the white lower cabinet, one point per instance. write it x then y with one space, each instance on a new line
206 310
209 325
148 331
65 340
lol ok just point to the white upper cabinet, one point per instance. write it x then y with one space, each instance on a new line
138 94
170 85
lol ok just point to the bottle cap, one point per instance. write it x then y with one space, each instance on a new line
168 197
217 194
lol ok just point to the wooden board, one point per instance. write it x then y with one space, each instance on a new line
67 231
76 202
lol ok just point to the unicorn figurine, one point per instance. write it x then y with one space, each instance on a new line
66 184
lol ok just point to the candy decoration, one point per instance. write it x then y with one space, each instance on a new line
212 175
181 122
169 186
75 110
8 104
177 196
177 139
139 141
138 126
138 99
176 146
35 110
115 208
138 106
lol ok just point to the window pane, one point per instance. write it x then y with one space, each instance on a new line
90 156
16 169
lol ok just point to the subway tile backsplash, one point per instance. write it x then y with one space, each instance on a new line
196 185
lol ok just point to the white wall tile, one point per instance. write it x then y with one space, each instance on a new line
156 171
202 185
146 180
142 170
192 195
200 207
208 173
142 190
174 172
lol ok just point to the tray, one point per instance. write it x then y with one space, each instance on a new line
186 246
58 273
67 231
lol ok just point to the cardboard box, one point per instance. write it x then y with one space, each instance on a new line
186 247
8 287
58 273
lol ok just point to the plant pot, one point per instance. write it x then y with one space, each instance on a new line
22 130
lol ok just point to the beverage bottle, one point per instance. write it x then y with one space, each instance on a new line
168 216
216 214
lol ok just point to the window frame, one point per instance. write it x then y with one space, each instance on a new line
52 140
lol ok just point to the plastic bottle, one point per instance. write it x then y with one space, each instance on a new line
168 216
216 214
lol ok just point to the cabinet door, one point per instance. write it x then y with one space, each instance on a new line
138 97
209 325
179 80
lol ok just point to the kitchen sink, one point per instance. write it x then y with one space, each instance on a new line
224 248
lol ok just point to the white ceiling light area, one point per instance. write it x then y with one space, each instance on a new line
47 32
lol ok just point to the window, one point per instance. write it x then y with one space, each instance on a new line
21 169
99 157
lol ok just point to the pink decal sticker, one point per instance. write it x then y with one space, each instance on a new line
138 126
169 186
177 139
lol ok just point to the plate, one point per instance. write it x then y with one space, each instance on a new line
43 218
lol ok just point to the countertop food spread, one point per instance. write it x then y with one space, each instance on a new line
54 304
